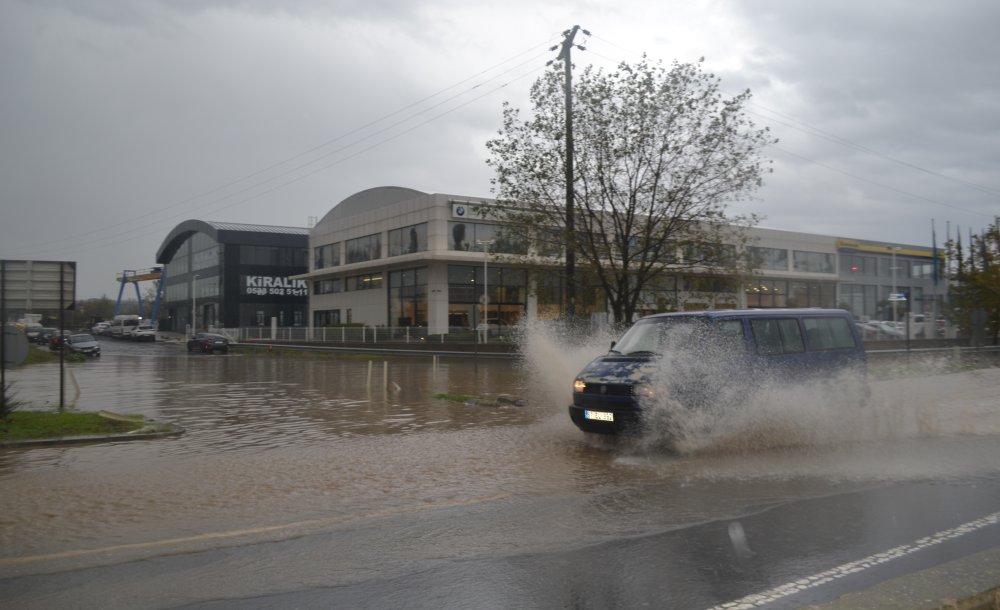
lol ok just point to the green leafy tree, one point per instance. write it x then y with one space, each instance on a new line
658 155
974 292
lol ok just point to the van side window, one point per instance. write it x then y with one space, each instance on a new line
777 336
828 333
730 333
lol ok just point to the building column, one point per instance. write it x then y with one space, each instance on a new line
437 298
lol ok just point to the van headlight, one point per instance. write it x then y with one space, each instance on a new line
644 390
579 386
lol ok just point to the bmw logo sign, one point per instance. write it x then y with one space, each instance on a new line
460 210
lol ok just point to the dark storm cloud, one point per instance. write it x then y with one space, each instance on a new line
907 102
121 118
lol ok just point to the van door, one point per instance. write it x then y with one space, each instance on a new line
833 343
780 347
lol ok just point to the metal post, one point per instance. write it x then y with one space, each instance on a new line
194 306
893 295
62 339
486 243
3 336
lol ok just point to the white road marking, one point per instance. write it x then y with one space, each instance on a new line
759 599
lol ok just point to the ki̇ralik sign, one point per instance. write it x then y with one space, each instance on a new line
268 285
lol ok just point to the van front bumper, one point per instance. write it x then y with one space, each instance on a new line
595 420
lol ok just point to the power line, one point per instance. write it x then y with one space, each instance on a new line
151 232
820 133
66 244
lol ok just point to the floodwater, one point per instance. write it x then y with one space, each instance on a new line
277 446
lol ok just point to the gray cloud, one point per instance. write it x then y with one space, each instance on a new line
121 118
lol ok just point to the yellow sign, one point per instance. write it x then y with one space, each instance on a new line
849 244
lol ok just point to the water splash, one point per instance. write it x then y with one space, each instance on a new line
767 414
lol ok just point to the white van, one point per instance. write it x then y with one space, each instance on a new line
123 324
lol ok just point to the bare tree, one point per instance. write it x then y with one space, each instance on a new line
658 154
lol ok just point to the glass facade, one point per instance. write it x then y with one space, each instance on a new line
408 297
507 295
212 283
450 290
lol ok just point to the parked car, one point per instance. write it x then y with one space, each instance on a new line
888 330
57 340
31 331
45 335
208 343
83 343
143 332
101 328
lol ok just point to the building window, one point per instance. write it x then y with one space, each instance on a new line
327 286
767 293
660 294
771 259
368 281
550 242
709 255
367 248
922 271
408 240
507 295
856 265
326 317
710 284
273 256
476 237
326 256
408 297
813 262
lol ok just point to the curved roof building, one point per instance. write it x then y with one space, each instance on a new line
233 275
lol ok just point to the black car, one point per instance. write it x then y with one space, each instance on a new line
208 343
45 335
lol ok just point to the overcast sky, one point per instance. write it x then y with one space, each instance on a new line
121 118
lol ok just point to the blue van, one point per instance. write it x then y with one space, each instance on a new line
715 359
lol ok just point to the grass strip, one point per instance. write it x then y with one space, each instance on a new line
27 425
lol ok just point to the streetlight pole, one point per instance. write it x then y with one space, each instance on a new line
893 295
194 307
486 243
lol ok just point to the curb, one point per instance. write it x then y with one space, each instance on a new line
152 430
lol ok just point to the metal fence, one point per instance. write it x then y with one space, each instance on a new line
368 335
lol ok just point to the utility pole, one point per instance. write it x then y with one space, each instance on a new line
564 56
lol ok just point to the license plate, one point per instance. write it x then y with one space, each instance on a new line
599 415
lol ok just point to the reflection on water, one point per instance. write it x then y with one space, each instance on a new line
262 402
272 438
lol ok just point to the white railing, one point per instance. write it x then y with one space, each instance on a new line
365 334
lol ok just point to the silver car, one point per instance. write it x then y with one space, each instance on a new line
83 343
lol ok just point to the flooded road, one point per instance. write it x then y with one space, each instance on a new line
312 454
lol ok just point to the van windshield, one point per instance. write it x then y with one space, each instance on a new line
657 336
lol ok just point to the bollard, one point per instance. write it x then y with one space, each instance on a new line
369 384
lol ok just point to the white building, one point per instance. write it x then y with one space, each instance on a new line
392 256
